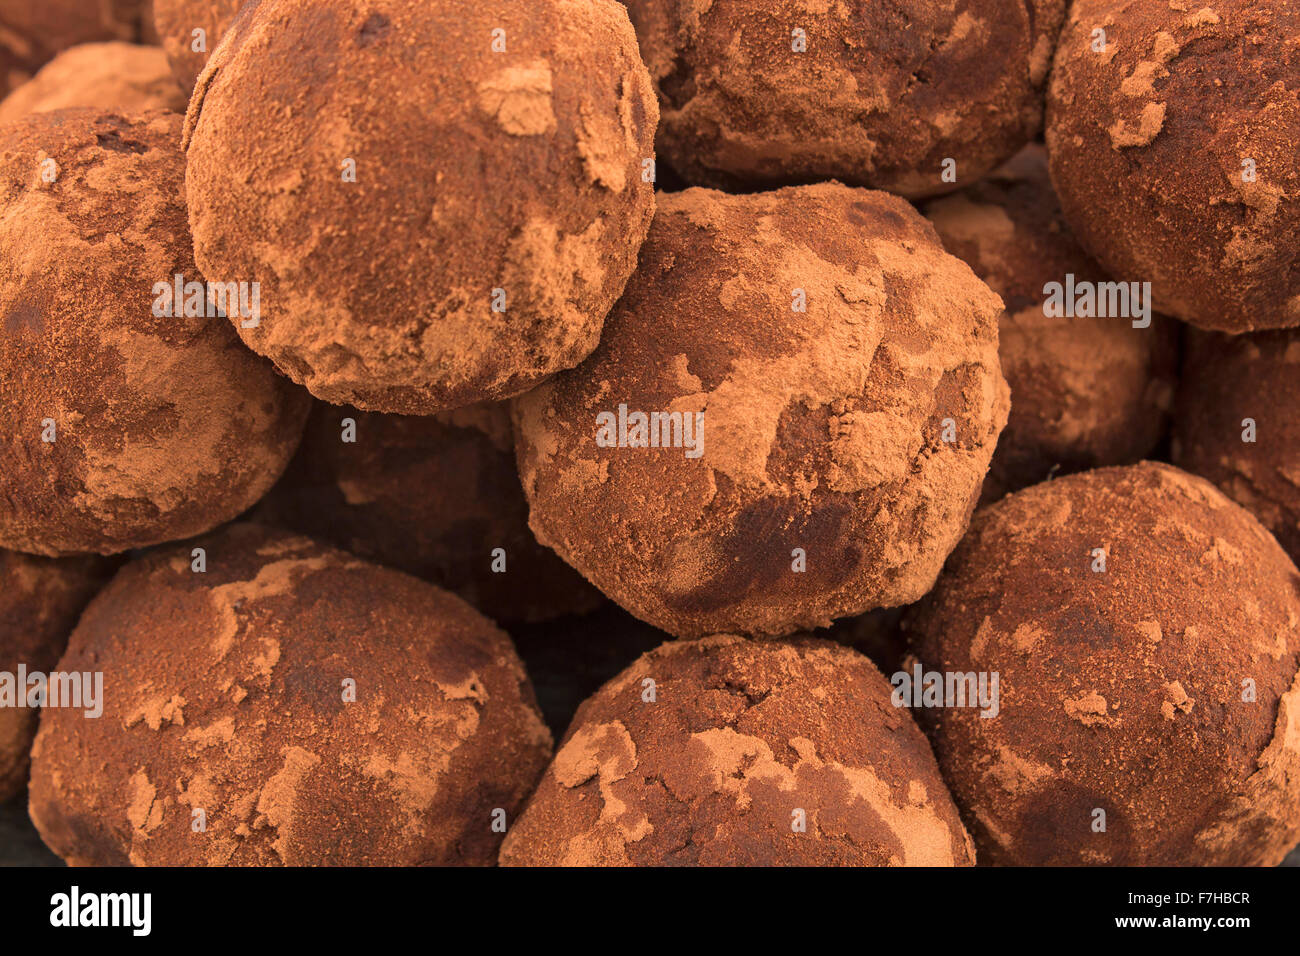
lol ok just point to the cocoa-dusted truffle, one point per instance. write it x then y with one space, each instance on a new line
32 31
823 380
129 421
1236 423
1144 633
190 30
307 707
123 77
1174 151
730 752
40 599
887 95
417 258
435 496
1086 390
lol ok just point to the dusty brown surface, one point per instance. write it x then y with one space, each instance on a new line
164 426
121 77
1085 391
883 94
175 22
822 430
224 692
739 736
1122 690
1147 142
430 495
32 31
525 177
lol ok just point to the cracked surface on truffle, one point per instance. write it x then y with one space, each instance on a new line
1147 143
740 735
121 77
1118 692
476 171
225 693
822 430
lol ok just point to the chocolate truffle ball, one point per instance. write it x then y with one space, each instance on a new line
1174 151
123 77
40 599
177 22
826 397
729 752
1144 630
315 708
127 425
1236 424
755 94
32 31
435 496
440 209
1085 390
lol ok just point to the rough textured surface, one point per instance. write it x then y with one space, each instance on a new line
164 426
526 177
177 20
433 496
1121 690
822 430
40 599
123 77
1147 143
32 31
1227 380
228 697
740 735
1085 391
883 94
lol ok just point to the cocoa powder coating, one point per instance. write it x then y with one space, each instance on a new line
177 23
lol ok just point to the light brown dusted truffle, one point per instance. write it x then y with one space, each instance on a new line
498 201
126 428
1085 391
881 95
32 31
229 694
40 599
123 77
1236 423
178 22
434 496
742 753
1127 690
822 435
1174 152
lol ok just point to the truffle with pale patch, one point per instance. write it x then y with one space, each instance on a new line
121 77
1145 631
308 707
1172 131
441 207
133 418
189 31
728 752
787 421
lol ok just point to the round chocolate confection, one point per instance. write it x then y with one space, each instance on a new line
834 379
728 752
119 77
1172 131
1135 726
32 31
189 31
292 705
441 201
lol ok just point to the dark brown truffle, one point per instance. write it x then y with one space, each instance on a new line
190 30
879 95
1086 391
440 201
1237 426
129 426
1174 152
32 31
435 496
730 752
305 707
1149 706
40 599
834 377
119 77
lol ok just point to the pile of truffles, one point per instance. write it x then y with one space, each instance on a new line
872 423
